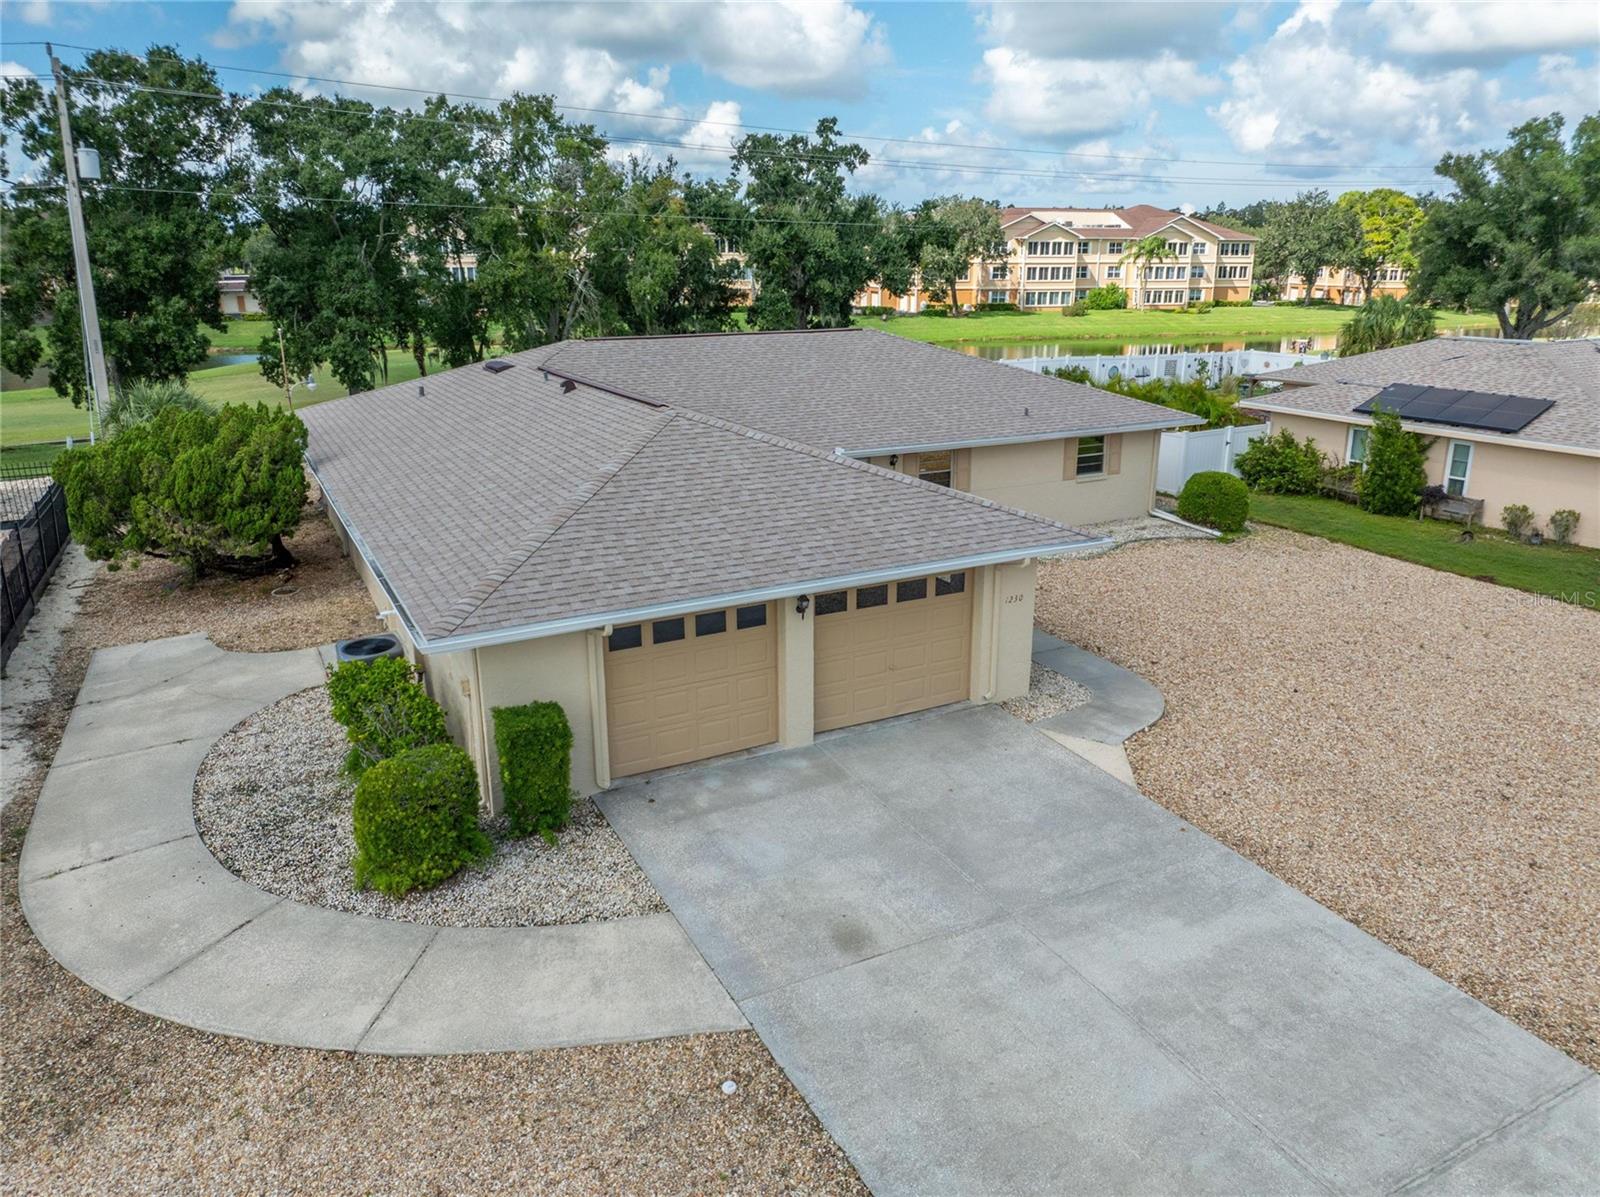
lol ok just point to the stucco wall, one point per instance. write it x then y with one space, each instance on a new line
1500 474
551 669
1002 632
1030 477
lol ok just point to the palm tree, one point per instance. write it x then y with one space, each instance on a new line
1142 253
1383 323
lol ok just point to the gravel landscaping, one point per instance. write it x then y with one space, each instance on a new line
1049 693
1138 528
273 804
103 1099
1415 750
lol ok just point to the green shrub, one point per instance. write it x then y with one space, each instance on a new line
1077 307
214 490
1516 518
872 309
384 710
534 744
1395 471
416 820
1215 499
995 307
1563 525
140 401
1280 465
1199 308
1106 299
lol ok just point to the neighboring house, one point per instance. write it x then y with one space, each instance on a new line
743 283
234 295
674 537
1511 421
1344 286
1058 255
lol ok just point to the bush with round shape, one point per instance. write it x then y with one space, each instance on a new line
1395 472
1215 499
384 710
534 744
416 820
1516 518
1563 525
1280 465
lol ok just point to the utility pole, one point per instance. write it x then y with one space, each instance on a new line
94 351
288 383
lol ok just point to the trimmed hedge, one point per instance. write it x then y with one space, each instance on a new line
416 820
1215 499
534 743
384 710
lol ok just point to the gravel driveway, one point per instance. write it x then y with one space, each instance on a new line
1417 751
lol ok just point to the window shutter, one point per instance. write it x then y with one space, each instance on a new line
1114 453
1069 459
961 469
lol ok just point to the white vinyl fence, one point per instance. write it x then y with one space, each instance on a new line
1185 454
1212 366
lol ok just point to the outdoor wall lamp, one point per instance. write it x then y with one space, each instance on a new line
894 460
801 605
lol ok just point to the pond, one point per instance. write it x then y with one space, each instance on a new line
227 359
1308 343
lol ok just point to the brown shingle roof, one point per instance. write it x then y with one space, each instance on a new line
494 503
1565 371
857 389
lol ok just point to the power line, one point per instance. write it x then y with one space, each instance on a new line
656 116
967 168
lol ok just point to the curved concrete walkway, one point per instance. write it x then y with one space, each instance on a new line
118 886
1122 703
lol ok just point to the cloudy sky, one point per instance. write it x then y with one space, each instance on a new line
1028 103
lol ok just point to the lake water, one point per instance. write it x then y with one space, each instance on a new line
227 359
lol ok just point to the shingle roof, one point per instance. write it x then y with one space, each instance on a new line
1565 371
857 389
1140 220
497 502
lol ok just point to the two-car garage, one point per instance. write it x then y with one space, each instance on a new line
689 687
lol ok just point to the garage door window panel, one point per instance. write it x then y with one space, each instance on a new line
872 596
665 631
833 602
630 636
751 617
710 623
955 583
911 590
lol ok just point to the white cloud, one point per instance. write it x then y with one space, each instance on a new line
1322 91
1118 31
1068 99
822 48
1489 28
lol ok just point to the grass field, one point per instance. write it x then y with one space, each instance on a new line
1285 320
1566 572
40 414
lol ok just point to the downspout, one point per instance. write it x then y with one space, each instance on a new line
485 736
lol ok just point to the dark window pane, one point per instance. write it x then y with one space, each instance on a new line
631 636
910 591
751 617
872 596
949 583
832 603
934 467
709 623
1091 455
665 631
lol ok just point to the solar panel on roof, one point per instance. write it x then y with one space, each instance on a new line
1465 409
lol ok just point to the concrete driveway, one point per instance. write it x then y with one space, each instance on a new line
991 968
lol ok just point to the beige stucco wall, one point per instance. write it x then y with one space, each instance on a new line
1499 475
1029 476
1002 631
797 676
563 669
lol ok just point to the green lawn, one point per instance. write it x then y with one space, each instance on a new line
1565 572
240 336
1285 320
42 415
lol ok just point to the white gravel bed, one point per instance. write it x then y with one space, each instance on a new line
1136 529
274 806
1049 693
1413 749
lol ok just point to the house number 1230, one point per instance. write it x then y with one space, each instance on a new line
1013 598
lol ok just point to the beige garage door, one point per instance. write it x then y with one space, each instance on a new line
690 687
892 648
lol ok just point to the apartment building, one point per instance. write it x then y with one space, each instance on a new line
1056 256
1344 286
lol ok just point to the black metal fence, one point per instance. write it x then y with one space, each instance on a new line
33 531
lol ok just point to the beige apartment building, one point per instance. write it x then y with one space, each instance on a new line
1344 286
1056 256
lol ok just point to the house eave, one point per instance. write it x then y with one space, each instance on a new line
1446 430
1183 421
